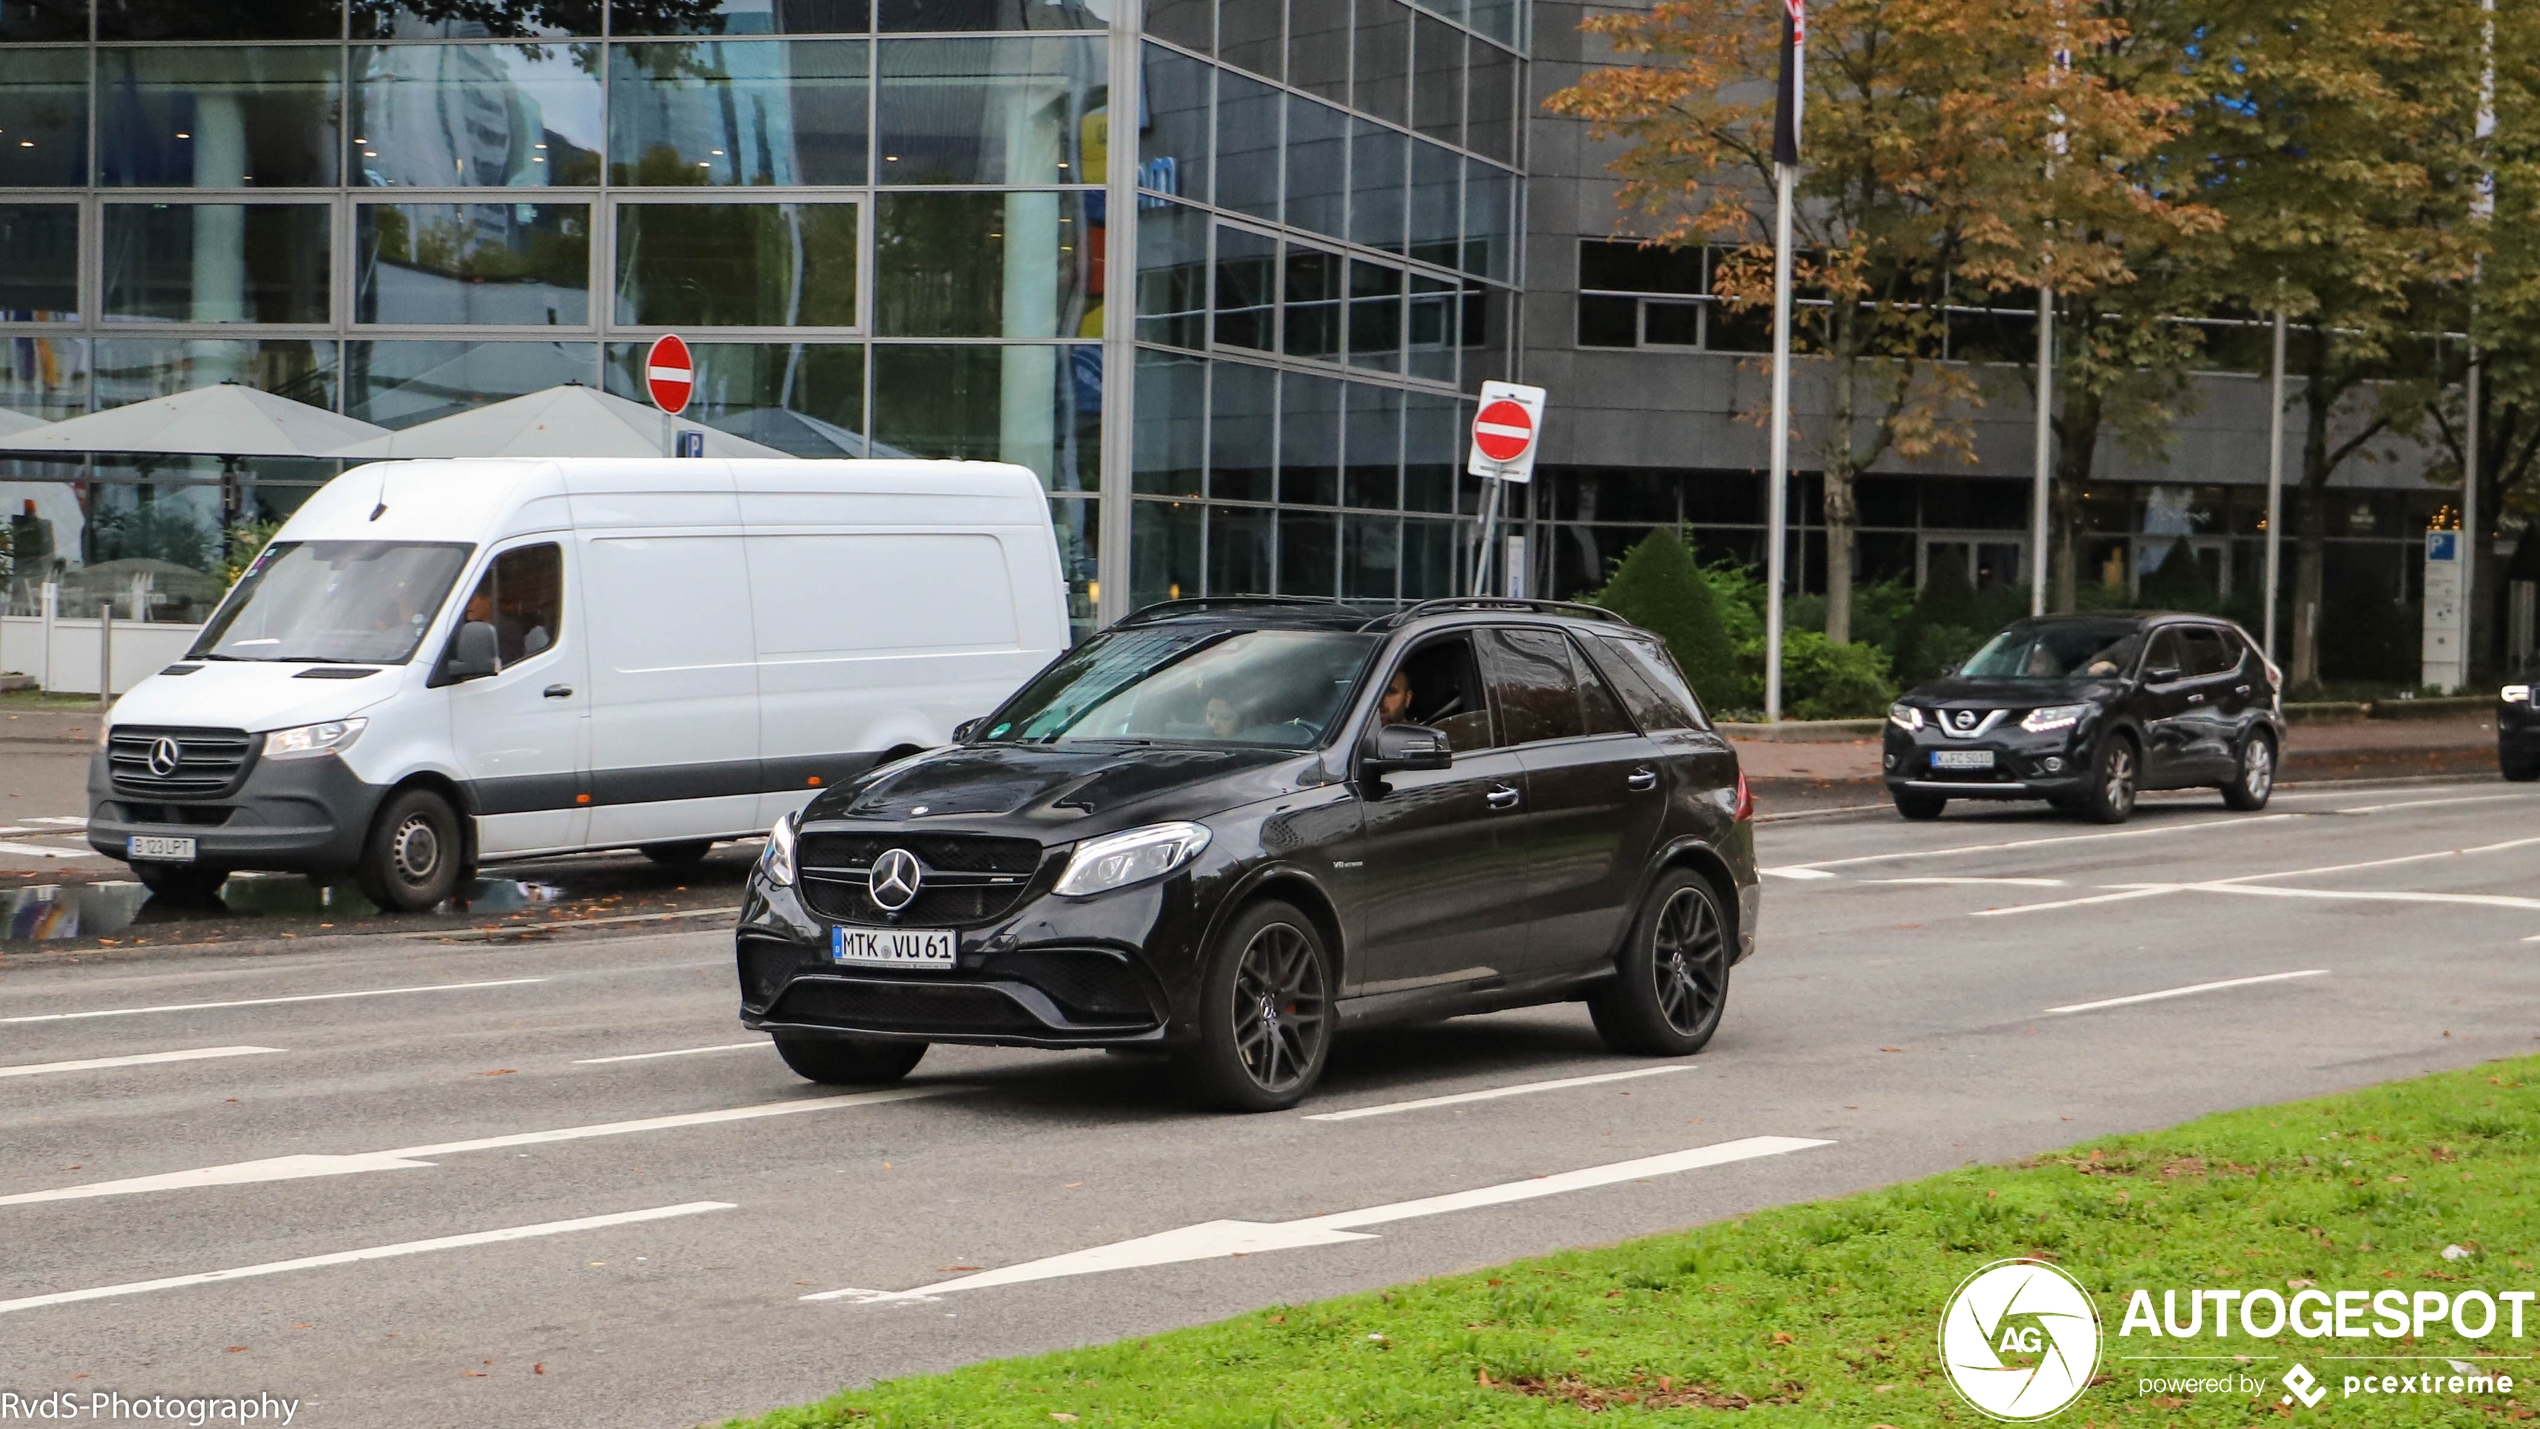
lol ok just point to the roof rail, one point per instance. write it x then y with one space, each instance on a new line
1195 605
1497 602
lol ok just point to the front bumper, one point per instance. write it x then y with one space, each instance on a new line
2025 766
288 815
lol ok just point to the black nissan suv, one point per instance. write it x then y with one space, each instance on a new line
2084 711
1226 829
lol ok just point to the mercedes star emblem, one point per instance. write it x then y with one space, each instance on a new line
165 754
896 876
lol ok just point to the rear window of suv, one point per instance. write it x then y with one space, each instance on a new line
1649 683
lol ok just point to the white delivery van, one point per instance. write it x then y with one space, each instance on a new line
437 664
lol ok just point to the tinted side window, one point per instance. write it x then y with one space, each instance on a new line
1598 706
1531 681
1648 682
2210 651
1446 692
522 597
2165 653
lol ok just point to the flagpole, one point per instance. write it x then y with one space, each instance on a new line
1786 123
2045 444
2275 472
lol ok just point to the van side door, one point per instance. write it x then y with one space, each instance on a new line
674 687
520 736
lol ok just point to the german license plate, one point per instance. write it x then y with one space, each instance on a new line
154 846
1962 759
894 947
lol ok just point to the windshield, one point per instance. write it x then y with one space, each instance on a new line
360 602
1272 687
2055 652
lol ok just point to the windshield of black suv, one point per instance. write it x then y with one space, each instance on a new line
1191 684
355 602
2066 650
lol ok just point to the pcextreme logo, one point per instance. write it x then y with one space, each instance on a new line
2019 1340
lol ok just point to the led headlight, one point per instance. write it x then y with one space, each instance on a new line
1131 856
1904 716
778 859
333 737
2054 717
2515 694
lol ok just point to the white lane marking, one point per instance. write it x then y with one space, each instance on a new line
2146 890
2481 900
13 829
2184 991
1211 1240
682 1052
2243 821
1798 873
2428 803
270 1001
1981 882
71 822
47 851
376 1252
1522 1089
137 1059
301 1167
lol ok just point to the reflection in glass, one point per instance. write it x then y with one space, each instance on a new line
469 116
1001 111
38 21
1371 554
736 264
1248 146
219 19
465 20
472 263
1485 322
1173 134
216 262
1375 316
1432 451
1318 138
1309 544
221 117
1437 204
138 369
1309 440
1318 48
1248 35
1489 224
1312 311
399 384
1167 452
1036 405
1164 551
806 398
1173 276
1192 24
1243 402
920 15
1432 314
751 112
1437 81
739 17
1077 523
1491 104
1378 156
1247 289
1373 477
1495 18
40 281
44 377
983 265
44 119
1239 550
1428 560
1383 80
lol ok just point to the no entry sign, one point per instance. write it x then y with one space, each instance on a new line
669 374
1505 429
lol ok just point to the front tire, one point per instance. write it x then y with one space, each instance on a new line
1672 983
2114 775
181 882
411 862
1265 1019
1918 806
2256 781
849 1061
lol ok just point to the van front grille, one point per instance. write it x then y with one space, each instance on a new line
177 761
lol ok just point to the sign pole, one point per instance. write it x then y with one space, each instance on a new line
1490 526
2275 478
1777 537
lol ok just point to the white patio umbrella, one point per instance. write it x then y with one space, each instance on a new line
12 423
561 421
227 420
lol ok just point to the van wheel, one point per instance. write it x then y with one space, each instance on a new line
412 860
1265 1021
181 882
2113 776
849 1061
1917 806
1673 978
686 854
2248 793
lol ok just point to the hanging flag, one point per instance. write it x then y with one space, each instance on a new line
1789 98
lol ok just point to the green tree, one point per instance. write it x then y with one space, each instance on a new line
1657 586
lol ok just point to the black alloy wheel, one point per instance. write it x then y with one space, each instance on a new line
849 1061
2248 790
2113 775
1916 805
1673 981
412 860
1265 1013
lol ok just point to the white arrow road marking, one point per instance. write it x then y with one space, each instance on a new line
1494 1093
681 1052
1213 1240
2237 821
293 1168
269 1001
47 851
1986 882
137 1059
1802 874
376 1252
2191 988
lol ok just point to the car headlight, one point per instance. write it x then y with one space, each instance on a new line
1131 856
2054 717
2515 694
777 861
308 740
1904 716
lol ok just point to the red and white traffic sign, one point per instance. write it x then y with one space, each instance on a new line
1505 432
669 374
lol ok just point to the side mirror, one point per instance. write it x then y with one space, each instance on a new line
1404 747
2161 674
965 729
474 653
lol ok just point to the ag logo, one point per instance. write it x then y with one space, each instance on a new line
2020 1340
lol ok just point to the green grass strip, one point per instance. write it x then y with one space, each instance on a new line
1828 1312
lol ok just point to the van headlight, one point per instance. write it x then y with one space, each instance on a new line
1904 716
777 862
1131 856
2054 717
309 740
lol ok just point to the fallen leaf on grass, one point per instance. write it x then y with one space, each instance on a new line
1596 1398
537 1369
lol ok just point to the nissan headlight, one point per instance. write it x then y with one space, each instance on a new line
310 740
2515 694
1904 716
2054 717
777 861
1132 856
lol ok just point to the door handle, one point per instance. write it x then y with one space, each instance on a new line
1502 797
1642 779
2240 689
560 692
2195 699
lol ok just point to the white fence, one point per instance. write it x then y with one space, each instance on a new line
62 654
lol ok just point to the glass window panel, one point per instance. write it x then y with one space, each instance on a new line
1432 451
1609 322
44 377
1318 48
1173 275
1451 9
1490 247
1378 157
1250 34
1490 104
1192 24
1495 18
1485 324
222 117
1432 335
1247 289
399 384
994 14
1674 324
44 119
1371 556
472 263
216 262
1309 544
1003 111
1242 437
1373 477
1173 125
1037 405
439 20
1375 316
468 116
1309 440
1312 310
1437 81
38 21
1428 560
806 398
1164 551
751 112
1168 454
138 369
1437 204
40 280
739 17
219 20
982 265
1318 139
1238 550
1247 164
736 264
1077 523
1383 76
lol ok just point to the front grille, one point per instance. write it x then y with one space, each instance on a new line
209 762
968 879
1090 986
948 853
903 1007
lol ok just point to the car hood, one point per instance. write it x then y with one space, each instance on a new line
1065 792
1954 692
253 695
